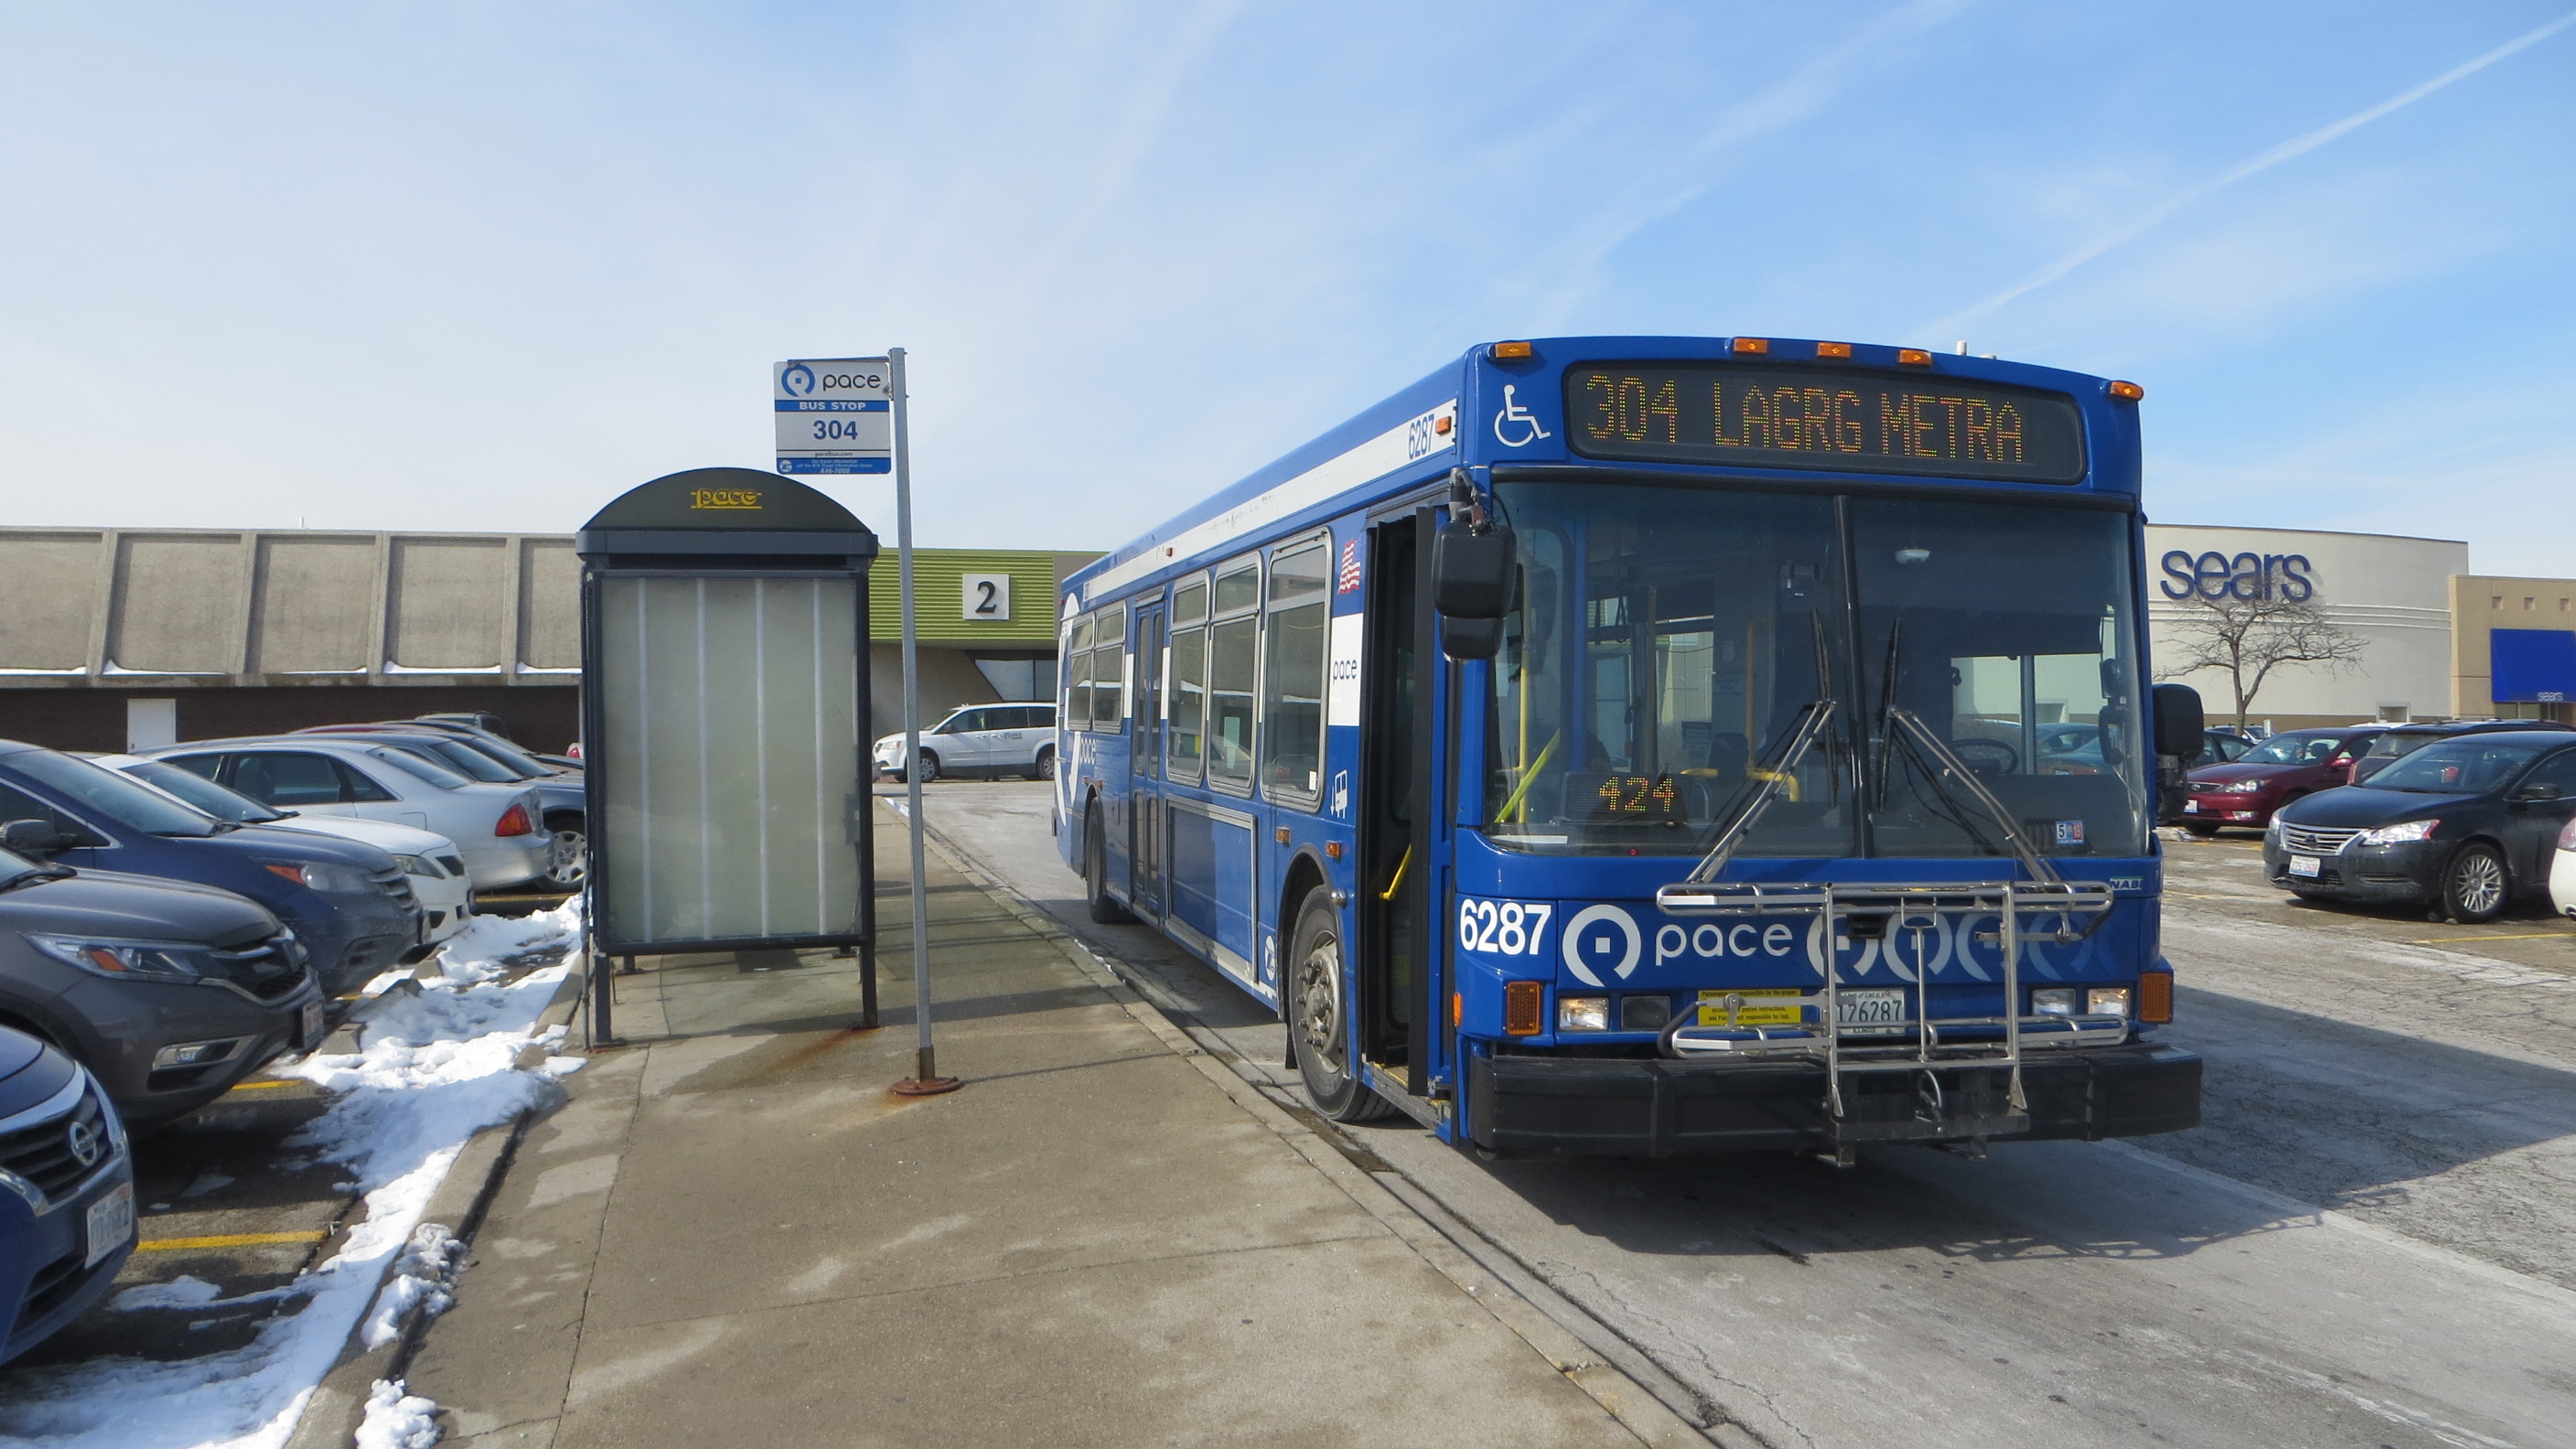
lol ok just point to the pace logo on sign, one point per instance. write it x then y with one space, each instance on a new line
2245 577
835 415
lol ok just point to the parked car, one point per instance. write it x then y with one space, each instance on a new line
2285 767
2221 745
2562 872
430 862
496 828
2402 740
348 902
66 1193
561 798
498 746
167 992
989 740
2464 824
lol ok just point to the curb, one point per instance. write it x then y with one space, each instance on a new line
339 1403
1648 1402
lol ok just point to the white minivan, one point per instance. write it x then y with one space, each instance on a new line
499 829
988 740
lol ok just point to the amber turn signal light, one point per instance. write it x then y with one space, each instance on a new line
1523 1008
2127 391
1506 351
1833 349
1914 357
1755 346
1457 1007
2155 996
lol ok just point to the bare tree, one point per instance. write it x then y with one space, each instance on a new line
2249 638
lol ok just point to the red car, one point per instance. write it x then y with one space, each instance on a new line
2246 790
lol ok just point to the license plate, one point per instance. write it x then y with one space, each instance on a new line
2307 865
111 1223
308 1027
2191 807
1782 1007
1870 1013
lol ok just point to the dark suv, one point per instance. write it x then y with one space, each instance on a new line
2246 790
347 901
66 1193
2464 824
168 992
2395 744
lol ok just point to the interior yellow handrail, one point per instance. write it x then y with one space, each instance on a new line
1401 862
1521 790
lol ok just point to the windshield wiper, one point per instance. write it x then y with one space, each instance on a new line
1757 793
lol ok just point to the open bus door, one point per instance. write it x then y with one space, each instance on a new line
1398 985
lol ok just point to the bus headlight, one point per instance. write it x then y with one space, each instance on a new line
2053 1001
1583 1013
2107 1001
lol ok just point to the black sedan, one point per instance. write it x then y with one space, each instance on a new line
2464 826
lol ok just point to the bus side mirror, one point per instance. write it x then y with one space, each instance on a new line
2181 728
1471 587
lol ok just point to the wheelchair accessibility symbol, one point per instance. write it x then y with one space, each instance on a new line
1516 426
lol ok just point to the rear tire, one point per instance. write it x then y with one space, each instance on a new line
1095 874
2475 885
1316 1018
569 864
1045 767
2202 828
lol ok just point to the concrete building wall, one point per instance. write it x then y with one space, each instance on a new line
2391 592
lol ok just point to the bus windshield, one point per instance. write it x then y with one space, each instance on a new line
1668 638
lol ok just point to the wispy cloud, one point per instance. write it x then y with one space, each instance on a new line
2291 149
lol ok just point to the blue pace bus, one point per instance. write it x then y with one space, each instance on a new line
1653 745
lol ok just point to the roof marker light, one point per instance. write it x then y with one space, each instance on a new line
2127 391
1506 351
1833 349
1757 346
1913 357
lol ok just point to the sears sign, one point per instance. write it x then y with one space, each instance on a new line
2247 577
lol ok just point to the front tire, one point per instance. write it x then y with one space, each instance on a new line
2475 885
2202 828
1095 874
1317 1018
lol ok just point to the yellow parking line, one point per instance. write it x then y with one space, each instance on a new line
269 1086
230 1240
2527 936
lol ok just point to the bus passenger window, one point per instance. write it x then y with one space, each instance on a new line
1188 698
1234 649
1229 739
1292 688
1108 653
1077 676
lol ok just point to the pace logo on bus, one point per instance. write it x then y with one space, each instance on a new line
1609 945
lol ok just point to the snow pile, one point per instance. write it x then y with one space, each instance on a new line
180 1292
431 1069
424 1277
397 1420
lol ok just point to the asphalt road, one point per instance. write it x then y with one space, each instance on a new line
2371 1242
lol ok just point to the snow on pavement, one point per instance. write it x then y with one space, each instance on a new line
431 1069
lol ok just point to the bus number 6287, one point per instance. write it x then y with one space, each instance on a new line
1505 928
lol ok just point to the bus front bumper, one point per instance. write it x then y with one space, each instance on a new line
1590 1106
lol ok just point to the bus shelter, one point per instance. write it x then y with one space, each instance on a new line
724 709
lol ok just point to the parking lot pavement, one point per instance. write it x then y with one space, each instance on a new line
266 1217
2370 1242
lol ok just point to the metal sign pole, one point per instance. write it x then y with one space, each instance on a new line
925 1079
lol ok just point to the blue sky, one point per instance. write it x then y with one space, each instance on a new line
483 266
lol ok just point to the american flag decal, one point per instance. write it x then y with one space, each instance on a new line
1350 578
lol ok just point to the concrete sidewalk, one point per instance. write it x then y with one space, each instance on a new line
734 1234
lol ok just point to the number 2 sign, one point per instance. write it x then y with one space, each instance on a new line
988 597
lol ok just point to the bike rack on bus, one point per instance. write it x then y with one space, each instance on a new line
1938 1044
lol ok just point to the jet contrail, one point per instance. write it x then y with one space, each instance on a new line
2296 146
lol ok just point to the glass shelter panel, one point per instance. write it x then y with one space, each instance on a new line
733 757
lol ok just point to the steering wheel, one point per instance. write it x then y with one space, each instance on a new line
1987 757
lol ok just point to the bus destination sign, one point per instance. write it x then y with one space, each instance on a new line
1814 417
